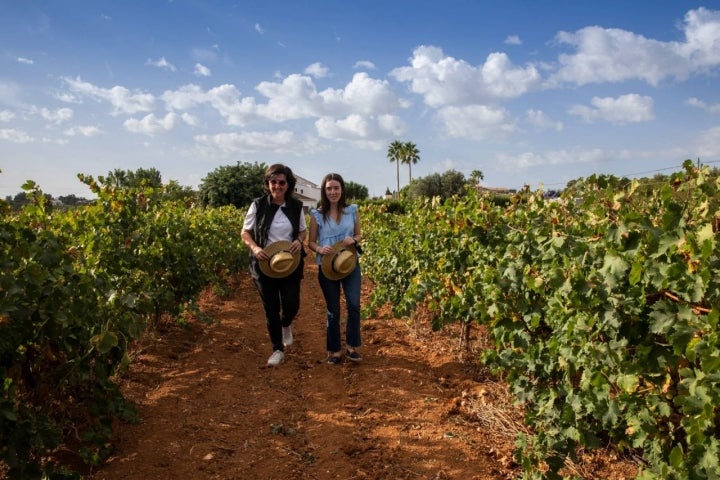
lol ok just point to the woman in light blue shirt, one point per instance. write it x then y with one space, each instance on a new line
334 237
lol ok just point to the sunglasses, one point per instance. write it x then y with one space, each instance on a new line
282 183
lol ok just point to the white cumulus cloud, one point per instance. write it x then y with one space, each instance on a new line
57 116
540 120
151 125
186 97
6 115
123 100
477 122
696 102
15 136
236 110
630 108
161 63
317 70
556 157
702 37
364 95
189 119
615 55
283 141
202 71
369 132
295 97
444 80
85 131
364 65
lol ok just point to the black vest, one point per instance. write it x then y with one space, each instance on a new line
265 211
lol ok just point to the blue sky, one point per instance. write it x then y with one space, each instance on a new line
528 92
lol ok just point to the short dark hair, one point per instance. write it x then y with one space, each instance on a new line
280 169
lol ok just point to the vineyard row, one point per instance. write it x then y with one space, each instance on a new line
602 307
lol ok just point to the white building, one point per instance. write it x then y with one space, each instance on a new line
307 192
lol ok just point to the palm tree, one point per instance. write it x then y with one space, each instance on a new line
411 155
476 176
395 154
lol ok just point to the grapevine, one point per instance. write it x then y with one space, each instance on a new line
77 287
602 305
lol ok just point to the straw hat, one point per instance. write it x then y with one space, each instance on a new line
341 263
281 262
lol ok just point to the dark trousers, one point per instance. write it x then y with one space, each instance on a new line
281 301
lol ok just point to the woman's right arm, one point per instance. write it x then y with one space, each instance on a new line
312 239
247 234
315 237
256 249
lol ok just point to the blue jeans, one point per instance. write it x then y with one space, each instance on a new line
331 292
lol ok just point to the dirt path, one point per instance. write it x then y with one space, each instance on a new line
211 409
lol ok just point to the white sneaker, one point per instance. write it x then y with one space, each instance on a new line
287 335
276 358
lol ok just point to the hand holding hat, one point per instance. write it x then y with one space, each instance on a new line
340 263
280 261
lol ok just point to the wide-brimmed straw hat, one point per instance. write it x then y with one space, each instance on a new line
280 262
339 264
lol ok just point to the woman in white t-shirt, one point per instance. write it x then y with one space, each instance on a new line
277 218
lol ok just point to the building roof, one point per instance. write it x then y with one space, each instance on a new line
304 198
304 181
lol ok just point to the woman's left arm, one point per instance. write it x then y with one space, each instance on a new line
295 247
356 234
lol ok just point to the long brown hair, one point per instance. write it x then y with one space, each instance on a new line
280 169
325 201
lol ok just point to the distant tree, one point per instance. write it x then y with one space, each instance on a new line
453 183
607 181
476 176
142 177
146 177
444 186
356 191
234 185
571 183
411 156
72 200
175 191
20 199
116 178
428 186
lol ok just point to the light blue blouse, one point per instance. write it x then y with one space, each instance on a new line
331 231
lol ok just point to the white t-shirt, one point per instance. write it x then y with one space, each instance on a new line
280 228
